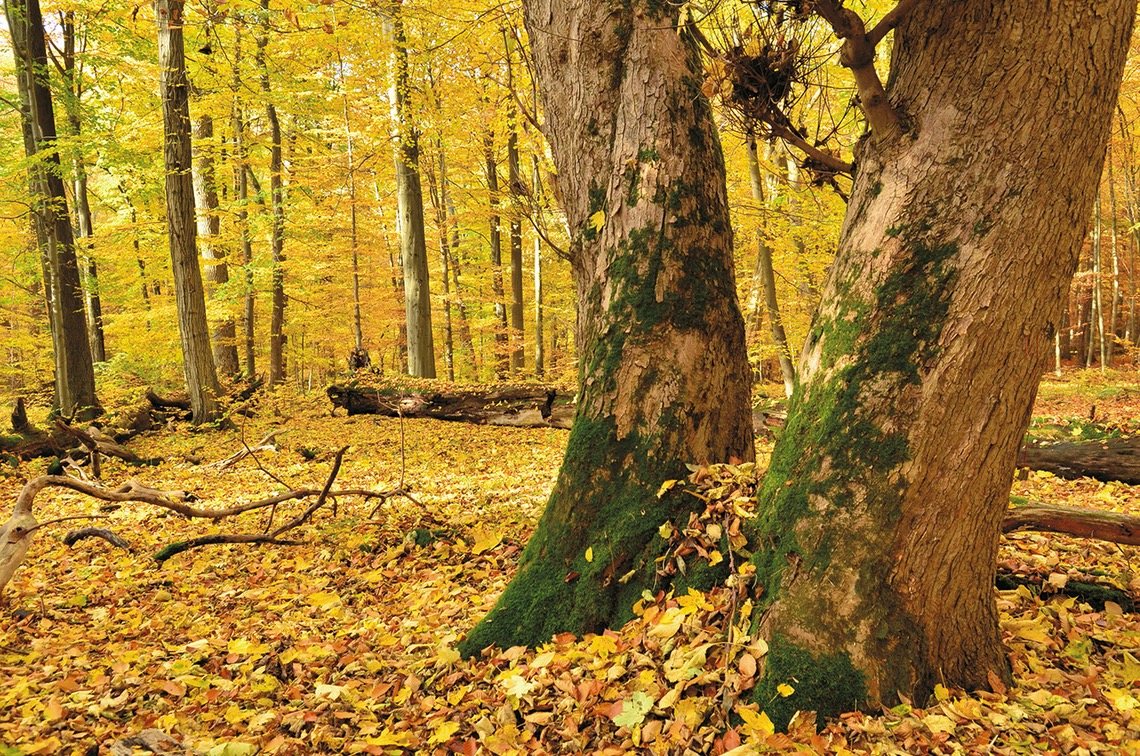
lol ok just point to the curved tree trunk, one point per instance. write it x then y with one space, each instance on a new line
190 298
883 504
663 377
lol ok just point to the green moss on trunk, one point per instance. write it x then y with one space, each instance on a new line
828 685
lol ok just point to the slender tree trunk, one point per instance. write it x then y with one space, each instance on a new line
217 274
1098 300
1114 310
410 201
453 252
444 258
277 198
84 225
357 325
514 177
497 291
663 378
768 279
876 560
241 192
74 372
539 349
197 360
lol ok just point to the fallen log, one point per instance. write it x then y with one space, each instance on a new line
1110 459
517 406
1081 522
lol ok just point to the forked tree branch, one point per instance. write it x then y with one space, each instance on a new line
858 54
890 21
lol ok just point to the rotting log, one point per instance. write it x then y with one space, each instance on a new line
518 406
1110 459
1082 522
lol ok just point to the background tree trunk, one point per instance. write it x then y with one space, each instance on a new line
197 360
224 335
767 275
74 373
277 199
410 199
497 291
882 508
663 377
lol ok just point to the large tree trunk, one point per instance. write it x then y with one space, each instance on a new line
410 200
74 372
663 377
197 360
882 508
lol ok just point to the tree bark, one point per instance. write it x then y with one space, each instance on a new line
514 178
497 292
224 333
74 372
767 275
197 360
241 192
84 225
410 200
875 553
277 199
663 377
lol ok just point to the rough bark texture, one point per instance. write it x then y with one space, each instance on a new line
875 552
74 372
517 406
1114 459
197 360
663 378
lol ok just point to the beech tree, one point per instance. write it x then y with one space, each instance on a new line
197 359
881 512
663 377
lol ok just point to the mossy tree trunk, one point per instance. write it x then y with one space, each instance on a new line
663 377
882 508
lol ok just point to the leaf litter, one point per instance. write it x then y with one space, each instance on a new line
346 644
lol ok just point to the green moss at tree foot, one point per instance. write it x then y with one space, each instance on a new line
827 685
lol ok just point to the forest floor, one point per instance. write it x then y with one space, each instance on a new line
345 644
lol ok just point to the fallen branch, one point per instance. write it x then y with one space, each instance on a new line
74 536
269 443
517 406
15 534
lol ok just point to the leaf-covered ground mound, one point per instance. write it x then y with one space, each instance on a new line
346 643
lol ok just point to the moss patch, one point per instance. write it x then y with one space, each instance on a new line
827 685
